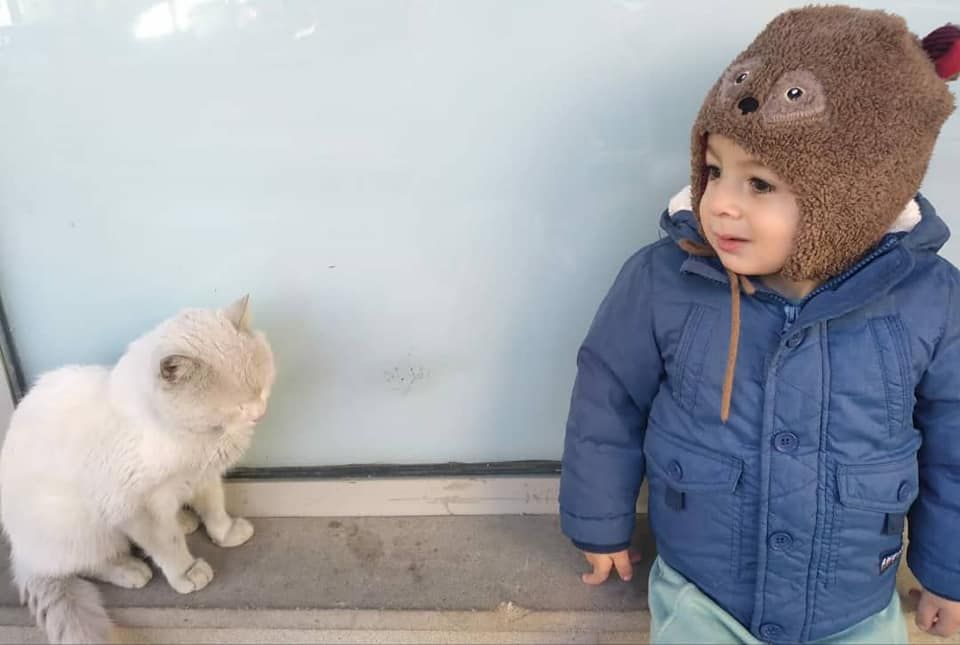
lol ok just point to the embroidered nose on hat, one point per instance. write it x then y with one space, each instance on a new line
748 105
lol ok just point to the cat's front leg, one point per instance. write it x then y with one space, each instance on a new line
224 530
156 529
188 521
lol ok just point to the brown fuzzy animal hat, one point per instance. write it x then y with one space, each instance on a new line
843 104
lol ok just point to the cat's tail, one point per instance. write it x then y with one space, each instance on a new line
68 609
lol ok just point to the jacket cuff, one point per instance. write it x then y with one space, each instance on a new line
602 548
934 577
598 530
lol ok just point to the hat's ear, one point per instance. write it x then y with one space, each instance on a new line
943 47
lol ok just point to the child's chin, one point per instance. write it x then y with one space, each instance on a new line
738 265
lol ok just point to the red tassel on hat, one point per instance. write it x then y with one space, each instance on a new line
943 47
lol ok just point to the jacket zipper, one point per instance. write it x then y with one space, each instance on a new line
792 311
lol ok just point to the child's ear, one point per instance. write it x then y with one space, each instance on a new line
176 369
239 313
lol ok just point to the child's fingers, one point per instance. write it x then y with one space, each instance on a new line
926 613
622 562
601 571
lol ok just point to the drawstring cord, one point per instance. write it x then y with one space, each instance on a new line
737 283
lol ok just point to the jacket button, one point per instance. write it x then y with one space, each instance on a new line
785 442
769 630
675 470
903 493
794 341
780 541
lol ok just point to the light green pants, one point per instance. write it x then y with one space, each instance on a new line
681 613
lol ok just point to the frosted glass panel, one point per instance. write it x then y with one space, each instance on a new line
426 199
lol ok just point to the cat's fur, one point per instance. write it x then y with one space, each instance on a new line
96 458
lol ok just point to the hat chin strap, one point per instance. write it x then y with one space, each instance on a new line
737 283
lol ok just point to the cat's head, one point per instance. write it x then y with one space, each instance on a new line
210 371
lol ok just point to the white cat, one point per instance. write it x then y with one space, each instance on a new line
96 458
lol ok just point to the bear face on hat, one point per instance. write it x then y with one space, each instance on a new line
843 104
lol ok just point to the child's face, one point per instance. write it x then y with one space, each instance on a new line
749 215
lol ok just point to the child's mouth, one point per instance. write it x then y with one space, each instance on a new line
730 244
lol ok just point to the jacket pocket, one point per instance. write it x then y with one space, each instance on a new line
692 353
868 522
895 365
694 507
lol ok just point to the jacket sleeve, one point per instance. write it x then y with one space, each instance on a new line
619 370
934 523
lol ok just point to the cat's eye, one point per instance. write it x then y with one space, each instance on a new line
794 93
741 77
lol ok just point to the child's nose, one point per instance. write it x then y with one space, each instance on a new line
731 211
727 205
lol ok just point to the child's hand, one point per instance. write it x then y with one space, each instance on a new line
936 615
604 563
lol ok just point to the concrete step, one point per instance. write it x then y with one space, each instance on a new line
451 579
447 579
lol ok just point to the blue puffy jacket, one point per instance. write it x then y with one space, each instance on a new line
845 417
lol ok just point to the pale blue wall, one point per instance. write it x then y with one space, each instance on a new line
426 199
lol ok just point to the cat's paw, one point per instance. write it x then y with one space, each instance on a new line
188 521
239 532
193 579
136 574
127 572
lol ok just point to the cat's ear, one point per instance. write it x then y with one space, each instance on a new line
239 313
177 368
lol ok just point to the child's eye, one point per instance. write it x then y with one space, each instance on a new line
760 185
713 172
